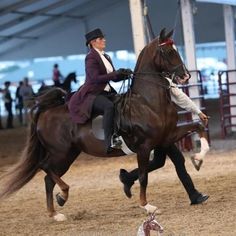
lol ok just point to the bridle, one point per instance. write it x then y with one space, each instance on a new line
173 73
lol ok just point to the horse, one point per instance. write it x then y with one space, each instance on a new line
66 85
146 118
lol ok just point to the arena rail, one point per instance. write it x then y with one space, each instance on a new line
227 94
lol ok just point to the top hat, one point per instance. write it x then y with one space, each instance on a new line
97 33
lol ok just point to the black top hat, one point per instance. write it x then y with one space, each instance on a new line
97 33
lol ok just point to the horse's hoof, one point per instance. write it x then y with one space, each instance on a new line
195 164
61 201
150 209
59 217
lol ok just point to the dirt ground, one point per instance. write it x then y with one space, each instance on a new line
98 206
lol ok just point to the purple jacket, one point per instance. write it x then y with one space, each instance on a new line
81 103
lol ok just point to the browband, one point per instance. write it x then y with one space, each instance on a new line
168 41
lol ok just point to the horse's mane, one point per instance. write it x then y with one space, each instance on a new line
51 98
140 56
139 60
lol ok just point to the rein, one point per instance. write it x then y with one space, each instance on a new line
162 75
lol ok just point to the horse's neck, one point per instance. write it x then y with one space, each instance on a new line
66 84
150 86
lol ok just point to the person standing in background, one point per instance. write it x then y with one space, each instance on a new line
26 92
19 103
8 104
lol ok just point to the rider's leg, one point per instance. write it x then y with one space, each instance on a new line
178 160
102 105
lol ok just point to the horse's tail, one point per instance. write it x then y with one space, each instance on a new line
27 166
33 154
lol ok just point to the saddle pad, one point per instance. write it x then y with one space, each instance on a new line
98 132
97 128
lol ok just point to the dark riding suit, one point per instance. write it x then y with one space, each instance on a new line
92 96
178 160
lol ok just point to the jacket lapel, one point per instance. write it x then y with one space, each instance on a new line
109 59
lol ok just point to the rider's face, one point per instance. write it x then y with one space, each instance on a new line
99 43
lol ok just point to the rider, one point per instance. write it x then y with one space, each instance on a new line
56 75
128 178
96 93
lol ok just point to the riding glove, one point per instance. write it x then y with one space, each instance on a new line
123 74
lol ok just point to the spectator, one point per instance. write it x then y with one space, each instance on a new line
8 104
19 103
26 92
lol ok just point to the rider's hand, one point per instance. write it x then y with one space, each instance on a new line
204 118
124 72
128 72
121 71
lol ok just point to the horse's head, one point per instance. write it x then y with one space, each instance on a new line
167 59
72 77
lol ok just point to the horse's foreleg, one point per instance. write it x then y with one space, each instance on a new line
200 129
183 130
143 160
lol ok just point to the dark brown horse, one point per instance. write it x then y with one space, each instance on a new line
147 118
66 85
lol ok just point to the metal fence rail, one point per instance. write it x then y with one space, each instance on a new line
226 106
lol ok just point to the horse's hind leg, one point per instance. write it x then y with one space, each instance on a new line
61 197
50 184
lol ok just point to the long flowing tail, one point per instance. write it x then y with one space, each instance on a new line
34 152
27 166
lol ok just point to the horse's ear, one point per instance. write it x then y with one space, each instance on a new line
162 34
169 34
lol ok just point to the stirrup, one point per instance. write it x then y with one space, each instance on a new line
116 142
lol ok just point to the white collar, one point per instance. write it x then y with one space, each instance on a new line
100 52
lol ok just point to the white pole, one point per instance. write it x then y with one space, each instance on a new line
231 55
137 25
189 43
